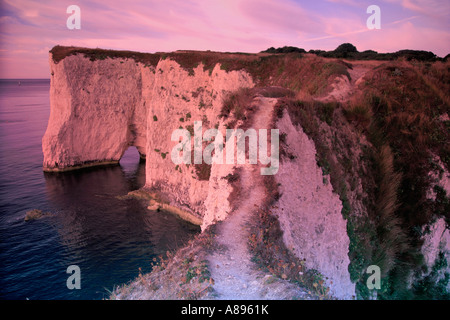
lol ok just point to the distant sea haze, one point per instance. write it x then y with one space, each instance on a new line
87 225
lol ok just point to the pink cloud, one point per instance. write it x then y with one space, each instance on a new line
347 2
432 8
279 16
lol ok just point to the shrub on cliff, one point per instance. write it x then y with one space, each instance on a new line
419 55
343 51
345 48
285 49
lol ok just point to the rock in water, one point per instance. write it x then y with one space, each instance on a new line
34 214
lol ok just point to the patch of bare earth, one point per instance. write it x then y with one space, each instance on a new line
342 87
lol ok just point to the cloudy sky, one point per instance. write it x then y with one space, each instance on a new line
29 29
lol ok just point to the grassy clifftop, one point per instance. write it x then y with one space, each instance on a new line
287 70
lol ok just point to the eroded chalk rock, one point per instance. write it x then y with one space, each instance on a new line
100 107
310 213
96 112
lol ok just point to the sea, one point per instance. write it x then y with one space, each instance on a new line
111 241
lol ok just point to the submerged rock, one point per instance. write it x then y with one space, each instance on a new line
35 214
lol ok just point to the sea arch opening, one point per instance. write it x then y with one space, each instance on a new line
131 157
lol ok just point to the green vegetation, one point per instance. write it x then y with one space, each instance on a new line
399 110
435 283
349 51
201 271
232 177
400 115
345 48
203 171
389 240
236 103
326 112
285 49
322 123
190 128
60 52
163 154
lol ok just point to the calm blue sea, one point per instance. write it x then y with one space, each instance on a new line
109 239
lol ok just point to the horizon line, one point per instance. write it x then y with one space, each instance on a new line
24 78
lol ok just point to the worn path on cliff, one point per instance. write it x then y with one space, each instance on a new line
235 275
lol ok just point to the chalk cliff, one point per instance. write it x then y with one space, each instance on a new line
336 194
100 108
310 213
97 112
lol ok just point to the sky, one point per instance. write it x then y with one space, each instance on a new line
29 29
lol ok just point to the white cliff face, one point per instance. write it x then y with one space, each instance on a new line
177 100
100 108
435 241
93 102
310 213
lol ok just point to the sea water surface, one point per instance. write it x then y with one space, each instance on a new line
109 239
